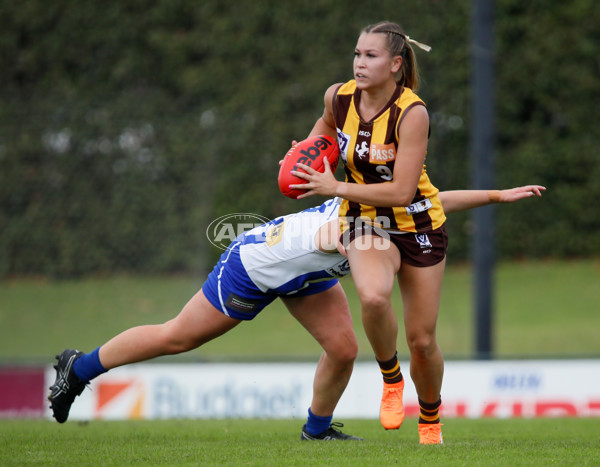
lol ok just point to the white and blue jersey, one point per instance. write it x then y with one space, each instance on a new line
279 258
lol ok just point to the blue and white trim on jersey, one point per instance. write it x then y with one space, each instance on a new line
279 258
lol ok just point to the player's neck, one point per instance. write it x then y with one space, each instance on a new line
373 101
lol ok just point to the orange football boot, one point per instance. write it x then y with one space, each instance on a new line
430 433
391 412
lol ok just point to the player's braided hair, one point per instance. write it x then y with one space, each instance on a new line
399 44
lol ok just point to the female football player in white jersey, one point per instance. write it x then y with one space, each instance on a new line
295 258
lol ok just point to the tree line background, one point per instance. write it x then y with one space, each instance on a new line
126 127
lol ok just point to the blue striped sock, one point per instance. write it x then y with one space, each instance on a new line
88 366
316 425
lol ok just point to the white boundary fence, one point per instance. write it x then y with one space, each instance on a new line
521 388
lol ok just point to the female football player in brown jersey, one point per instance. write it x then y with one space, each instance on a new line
392 217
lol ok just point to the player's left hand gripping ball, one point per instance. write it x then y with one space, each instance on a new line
311 152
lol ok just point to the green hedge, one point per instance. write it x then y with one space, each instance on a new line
125 128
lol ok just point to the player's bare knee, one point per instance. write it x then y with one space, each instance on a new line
346 354
421 346
344 351
373 302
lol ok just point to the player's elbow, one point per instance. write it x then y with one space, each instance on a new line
397 194
403 198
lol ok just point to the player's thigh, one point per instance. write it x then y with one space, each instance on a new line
421 289
373 266
326 316
200 321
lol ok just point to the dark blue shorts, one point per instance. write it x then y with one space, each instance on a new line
230 290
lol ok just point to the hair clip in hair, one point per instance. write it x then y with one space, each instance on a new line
421 46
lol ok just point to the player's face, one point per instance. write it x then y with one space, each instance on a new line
373 64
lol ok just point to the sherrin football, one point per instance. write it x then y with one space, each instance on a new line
311 152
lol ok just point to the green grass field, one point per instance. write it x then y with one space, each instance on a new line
262 442
542 309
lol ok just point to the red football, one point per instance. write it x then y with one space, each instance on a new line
311 152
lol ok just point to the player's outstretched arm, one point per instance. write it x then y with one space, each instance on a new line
460 200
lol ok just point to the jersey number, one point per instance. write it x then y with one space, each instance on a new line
385 172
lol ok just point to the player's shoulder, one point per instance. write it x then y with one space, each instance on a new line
416 115
348 87
407 97
333 90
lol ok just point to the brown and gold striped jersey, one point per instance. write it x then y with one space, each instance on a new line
368 150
